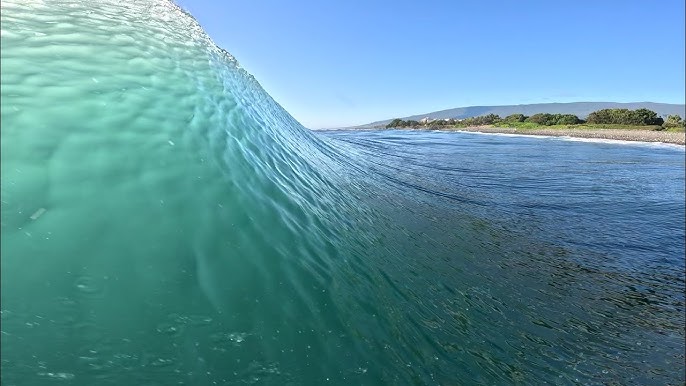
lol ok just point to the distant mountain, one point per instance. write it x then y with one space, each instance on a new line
580 109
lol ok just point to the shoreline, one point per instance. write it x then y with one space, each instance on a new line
671 137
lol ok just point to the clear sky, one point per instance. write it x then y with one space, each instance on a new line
342 63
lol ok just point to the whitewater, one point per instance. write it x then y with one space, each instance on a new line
165 221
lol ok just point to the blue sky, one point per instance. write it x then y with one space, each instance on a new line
333 64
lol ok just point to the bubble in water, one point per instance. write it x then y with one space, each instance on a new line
237 337
168 329
88 286
60 376
161 362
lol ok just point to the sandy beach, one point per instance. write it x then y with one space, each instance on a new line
616 134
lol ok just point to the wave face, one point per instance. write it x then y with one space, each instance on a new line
164 221
151 192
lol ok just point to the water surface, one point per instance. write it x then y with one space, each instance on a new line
164 221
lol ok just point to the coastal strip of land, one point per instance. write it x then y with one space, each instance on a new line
678 138
611 124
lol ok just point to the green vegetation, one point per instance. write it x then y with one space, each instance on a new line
625 117
674 122
581 126
640 119
400 123
553 119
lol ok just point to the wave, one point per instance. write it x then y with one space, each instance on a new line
165 220
141 159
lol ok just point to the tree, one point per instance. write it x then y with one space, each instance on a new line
600 117
396 123
491 119
567 119
544 119
515 118
647 117
674 121
625 117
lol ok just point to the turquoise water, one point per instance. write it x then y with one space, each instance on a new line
164 221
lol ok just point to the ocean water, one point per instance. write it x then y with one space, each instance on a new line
164 221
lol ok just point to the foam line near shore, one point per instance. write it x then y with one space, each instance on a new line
604 135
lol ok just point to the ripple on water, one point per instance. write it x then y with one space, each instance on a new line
258 372
176 324
162 362
169 329
90 287
57 376
193 320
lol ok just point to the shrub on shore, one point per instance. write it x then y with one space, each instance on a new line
515 118
674 121
400 123
553 119
625 117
